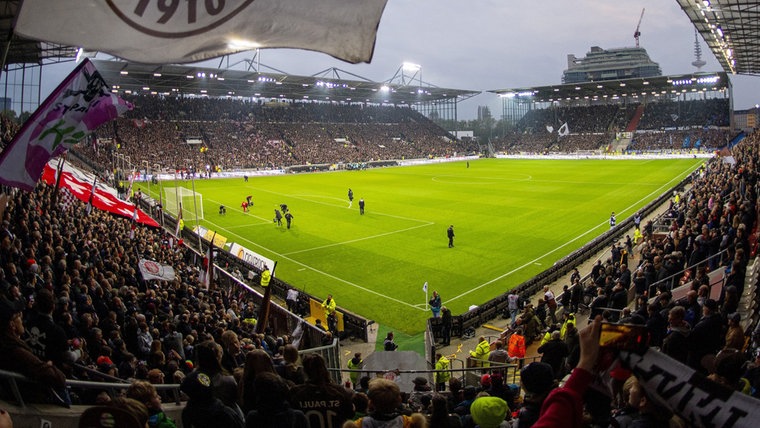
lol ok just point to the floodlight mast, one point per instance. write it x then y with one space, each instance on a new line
414 69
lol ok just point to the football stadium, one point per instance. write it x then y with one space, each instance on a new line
186 245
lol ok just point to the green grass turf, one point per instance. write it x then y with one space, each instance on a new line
512 218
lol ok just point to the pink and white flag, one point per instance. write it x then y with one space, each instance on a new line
72 111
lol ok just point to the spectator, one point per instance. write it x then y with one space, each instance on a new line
384 400
554 353
19 358
256 362
490 412
272 409
146 393
388 343
319 398
203 410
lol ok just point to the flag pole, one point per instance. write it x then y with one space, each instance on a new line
425 287
59 171
195 207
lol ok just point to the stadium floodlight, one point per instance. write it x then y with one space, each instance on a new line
385 88
411 67
242 45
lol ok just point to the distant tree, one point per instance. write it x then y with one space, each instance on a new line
24 116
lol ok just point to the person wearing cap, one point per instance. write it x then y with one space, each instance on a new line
421 389
727 368
537 380
735 333
19 358
707 334
485 382
203 409
489 412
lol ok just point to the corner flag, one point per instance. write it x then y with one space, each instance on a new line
424 287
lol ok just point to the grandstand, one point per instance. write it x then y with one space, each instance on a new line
79 268
679 113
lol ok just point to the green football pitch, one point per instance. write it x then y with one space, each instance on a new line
512 220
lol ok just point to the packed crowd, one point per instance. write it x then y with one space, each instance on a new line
73 305
239 135
673 114
594 127
677 140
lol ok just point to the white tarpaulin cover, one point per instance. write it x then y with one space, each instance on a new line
181 31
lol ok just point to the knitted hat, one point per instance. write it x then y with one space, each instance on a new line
711 304
8 308
488 412
485 380
537 378
419 381
197 386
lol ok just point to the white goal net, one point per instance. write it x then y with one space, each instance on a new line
175 197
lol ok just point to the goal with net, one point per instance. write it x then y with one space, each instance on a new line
174 197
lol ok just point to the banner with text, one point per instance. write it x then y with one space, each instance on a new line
698 400
257 260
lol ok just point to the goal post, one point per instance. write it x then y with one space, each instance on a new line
188 199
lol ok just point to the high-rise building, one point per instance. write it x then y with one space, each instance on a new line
610 64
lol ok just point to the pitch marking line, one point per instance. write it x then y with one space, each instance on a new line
359 239
331 276
305 266
537 259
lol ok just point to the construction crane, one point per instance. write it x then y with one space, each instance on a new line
637 33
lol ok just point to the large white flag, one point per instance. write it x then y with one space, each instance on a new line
153 270
180 31
74 109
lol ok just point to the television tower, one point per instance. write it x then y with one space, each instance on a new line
699 62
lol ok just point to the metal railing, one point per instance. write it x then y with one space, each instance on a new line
12 379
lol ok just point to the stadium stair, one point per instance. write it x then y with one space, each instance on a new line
634 123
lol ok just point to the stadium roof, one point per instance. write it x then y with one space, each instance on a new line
621 88
217 82
731 29
26 51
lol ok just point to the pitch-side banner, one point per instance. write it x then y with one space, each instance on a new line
257 260
701 402
181 31
154 270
